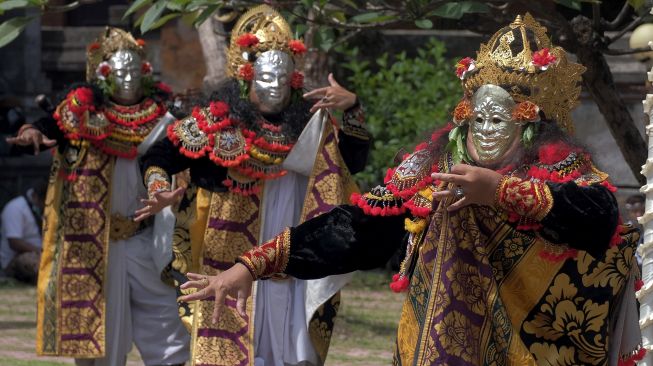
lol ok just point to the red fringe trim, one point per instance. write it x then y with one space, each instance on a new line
609 186
172 136
260 142
553 257
399 283
203 124
233 187
639 284
360 201
632 360
417 211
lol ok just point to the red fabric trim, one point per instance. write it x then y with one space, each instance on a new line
632 360
555 257
359 200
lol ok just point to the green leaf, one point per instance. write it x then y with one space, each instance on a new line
13 4
164 19
572 4
206 13
365 17
458 9
637 4
10 29
424 23
152 15
135 6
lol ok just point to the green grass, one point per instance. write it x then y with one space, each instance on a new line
364 332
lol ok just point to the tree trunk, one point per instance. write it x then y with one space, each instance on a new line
600 84
316 61
214 46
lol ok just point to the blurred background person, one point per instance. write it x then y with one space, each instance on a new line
21 243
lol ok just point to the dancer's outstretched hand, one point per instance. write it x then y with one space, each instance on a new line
332 96
235 282
32 136
158 202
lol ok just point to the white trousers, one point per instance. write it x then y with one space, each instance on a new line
140 309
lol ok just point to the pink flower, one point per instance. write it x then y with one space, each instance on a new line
103 70
297 80
246 72
297 47
543 59
463 66
247 40
146 68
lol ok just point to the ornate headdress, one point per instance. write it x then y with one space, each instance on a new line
110 41
259 30
521 59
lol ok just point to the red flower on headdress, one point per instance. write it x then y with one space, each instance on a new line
297 80
297 47
103 70
83 96
146 68
463 66
219 109
526 111
246 72
247 40
93 46
463 111
141 42
543 59
164 87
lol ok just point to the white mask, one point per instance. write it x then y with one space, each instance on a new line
126 70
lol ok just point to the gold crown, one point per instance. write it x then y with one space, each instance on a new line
507 61
110 41
271 29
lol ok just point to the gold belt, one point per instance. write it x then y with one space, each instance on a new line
123 227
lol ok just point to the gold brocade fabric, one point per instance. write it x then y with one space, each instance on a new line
73 264
482 293
213 229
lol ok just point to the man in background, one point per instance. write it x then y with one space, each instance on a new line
20 246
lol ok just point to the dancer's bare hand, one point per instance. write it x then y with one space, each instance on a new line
332 96
478 184
158 202
32 136
235 282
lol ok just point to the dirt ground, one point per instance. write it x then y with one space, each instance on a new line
364 331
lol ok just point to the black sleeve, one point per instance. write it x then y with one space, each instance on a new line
341 241
354 151
165 155
585 218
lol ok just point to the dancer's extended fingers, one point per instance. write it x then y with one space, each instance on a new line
317 93
193 284
48 142
142 215
458 204
195 276
37 144
241 303
440 195
333 81
198 295
178 192
220 296
450 178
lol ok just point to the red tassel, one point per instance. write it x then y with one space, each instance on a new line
609 186
632 360
399 283
639 284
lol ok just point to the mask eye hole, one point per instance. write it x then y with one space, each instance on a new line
479 119
496 120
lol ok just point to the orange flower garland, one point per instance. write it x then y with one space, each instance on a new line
526 111
462 112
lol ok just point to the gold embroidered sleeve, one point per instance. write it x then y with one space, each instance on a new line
524 197
156 180
270 258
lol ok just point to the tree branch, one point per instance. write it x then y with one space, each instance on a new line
621 52
639 20
620 18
